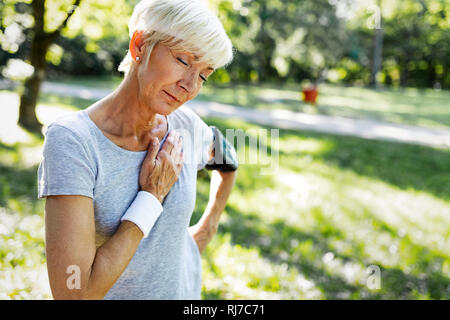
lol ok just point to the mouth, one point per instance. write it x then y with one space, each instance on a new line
171 96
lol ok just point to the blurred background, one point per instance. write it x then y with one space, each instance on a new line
359 206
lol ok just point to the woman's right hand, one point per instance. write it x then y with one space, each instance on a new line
160 170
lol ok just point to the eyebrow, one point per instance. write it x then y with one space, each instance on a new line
196 60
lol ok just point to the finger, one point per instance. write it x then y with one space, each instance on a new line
170 141
167 162
180 160
178 155
178 146
152 151
177 160
154 148
165 159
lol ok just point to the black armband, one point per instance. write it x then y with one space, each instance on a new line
225 158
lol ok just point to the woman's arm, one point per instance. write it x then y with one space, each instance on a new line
70 248
220 189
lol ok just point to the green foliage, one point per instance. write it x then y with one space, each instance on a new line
274 40
413 50
93 43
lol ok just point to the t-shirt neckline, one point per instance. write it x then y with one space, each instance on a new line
115 146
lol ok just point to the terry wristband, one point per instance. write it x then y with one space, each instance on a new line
143 211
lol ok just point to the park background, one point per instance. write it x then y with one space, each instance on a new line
339 211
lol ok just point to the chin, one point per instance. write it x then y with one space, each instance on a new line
167 109
161 107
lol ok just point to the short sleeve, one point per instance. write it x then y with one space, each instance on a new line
66 168
204 138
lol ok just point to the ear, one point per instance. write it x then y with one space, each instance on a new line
136 42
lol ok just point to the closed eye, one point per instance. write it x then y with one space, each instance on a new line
182 61
186 64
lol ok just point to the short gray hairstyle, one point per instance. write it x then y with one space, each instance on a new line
185 25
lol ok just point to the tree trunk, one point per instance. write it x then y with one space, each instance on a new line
377 57
377 49
28 100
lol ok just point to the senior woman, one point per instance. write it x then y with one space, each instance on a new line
120 176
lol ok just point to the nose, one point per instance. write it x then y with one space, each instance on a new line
188 82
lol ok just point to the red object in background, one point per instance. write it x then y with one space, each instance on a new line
310 94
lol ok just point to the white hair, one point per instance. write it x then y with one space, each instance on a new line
186 25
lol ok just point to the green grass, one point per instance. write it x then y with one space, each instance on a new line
336 206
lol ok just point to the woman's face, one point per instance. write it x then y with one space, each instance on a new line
170 79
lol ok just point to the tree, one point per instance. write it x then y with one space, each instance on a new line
281 39
40 43
415 46
63 37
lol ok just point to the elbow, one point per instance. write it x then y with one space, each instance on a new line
75 294
228 175
74 291
74 284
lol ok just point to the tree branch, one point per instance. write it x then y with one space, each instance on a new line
58 30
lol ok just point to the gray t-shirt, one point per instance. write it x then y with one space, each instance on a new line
78 159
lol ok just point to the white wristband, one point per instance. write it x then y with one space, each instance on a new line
143 211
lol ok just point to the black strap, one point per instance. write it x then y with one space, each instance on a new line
225 158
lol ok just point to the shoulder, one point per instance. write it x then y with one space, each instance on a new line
68 143
70 140
72 126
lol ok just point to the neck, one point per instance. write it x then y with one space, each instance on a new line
125 116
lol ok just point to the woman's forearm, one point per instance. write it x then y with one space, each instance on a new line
220 189
111 260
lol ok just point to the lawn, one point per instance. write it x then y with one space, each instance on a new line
336 208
